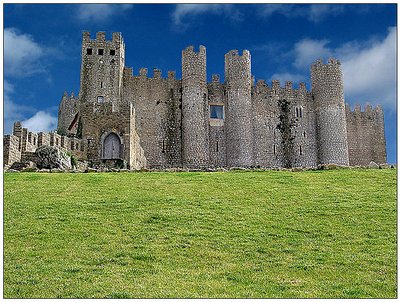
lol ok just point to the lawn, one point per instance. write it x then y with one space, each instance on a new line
312 234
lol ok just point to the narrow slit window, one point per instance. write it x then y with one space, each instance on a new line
297 112
300 112
101 84
301 150
274 149
163 146
217 112
217 147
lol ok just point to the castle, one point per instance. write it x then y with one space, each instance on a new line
159 123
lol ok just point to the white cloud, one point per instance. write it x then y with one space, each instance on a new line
369 68
41 121
183 12
307 51
313 12
370 73
100 12
21 54
12 110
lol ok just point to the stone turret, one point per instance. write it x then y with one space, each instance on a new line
239 137
195 128
102 69
327 91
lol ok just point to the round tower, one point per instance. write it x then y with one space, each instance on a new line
327 92
238 127
194 108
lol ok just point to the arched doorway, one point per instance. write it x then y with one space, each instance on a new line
112 146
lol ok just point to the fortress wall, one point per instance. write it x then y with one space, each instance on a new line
156 103
43 139
267 149
305 152
217 144
365 135
11 151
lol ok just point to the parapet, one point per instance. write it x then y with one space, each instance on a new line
156 73
215 78
235 53
289 85
276 84
101 36
171 74
331 62
202 49
143 72
260 83
369 110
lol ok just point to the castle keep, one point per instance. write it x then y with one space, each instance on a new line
157 122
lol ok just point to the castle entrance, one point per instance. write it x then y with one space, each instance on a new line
112 147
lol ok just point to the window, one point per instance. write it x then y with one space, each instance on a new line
100 99
56 141
217 112
301 150
72 145
101 84
299 112
89 51
163 146
100 51
217 149
112 52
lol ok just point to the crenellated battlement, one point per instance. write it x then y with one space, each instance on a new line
190 49
101 37
369 110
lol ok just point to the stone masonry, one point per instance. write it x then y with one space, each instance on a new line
158 123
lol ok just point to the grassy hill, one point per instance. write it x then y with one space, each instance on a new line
325 234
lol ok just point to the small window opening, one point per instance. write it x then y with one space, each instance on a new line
112 52
301 150
72 145
163 146
300 112
100 99
89 51
101 84
56 141
217 112
297 112
100 51
304 134
77 146
217 146
274 149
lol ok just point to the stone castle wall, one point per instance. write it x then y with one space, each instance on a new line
159 122
366 135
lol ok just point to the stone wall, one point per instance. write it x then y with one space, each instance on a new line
366 136
157 105
11 151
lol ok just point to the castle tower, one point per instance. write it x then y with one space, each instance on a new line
327 91
102 69
194 108
238 112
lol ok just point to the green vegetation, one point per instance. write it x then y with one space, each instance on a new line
325 234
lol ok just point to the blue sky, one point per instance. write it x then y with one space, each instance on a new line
42 48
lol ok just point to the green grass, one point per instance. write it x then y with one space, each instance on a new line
319 234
